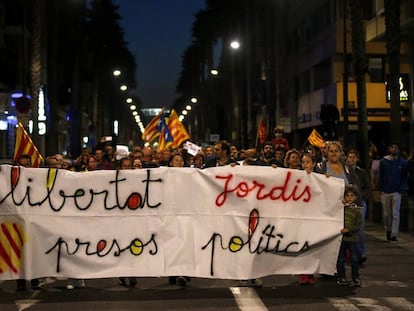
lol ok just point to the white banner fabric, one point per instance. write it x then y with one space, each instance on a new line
238 222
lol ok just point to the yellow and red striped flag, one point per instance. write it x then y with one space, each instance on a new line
177 130
152 129
25 145
262 131
315 139
11 247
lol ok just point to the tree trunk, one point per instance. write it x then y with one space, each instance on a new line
35 69
393 42
358 50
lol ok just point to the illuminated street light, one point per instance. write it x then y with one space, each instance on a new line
188 107
184 112
214 72
116 72
235 44
129 100
133 107
194 100
123 87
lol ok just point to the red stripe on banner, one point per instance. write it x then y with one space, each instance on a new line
17 230
12 243
6 258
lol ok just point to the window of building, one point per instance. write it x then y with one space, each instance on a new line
304 83
376 69
322 75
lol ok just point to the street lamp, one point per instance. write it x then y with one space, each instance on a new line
123 87
235 44
235 126
194 100
116 72
214 72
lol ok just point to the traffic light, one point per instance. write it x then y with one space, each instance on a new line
329 117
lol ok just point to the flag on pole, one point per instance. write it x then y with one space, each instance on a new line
165 134
151 130
262 131
177 130
315 139
25 145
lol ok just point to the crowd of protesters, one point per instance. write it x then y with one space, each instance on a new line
389 174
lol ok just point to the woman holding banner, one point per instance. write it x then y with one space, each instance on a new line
336 167
308 165
177 160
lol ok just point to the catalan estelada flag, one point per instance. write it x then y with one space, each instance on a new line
165 134
25 145
315 139
177 130
152 129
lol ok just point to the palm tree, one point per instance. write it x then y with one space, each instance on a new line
36 66
358 51
393 42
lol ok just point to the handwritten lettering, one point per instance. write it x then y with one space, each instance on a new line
101 249
268 242
56 203
287 191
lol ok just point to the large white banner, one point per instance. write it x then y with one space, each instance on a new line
230 222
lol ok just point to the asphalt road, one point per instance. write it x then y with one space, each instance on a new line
387 276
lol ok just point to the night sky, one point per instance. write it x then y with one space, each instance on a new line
158 32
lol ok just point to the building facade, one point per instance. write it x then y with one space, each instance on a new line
320 53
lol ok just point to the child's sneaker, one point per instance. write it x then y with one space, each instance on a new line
342 281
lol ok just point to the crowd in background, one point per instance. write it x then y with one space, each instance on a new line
330 159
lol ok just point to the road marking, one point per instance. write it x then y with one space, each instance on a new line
396 284
24 304
370 304
343 304
355 303
400 302
247 299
